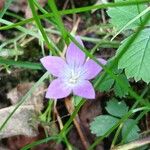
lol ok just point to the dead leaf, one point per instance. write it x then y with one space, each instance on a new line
2 147
21 89
19 122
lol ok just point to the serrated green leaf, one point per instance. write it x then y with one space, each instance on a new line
130 131
120 16
136 59
106 84
119 91
116 108
102 124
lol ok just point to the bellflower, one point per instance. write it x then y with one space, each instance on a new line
73 74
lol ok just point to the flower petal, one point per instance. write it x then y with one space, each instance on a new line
92 68
57 90
85 90
74 55
103 61
53 64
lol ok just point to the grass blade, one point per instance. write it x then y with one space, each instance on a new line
38 23
6 6
21 64
24 98
77 10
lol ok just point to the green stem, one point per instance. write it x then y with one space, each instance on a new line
77 10
38 23
21 64
58 19
116 135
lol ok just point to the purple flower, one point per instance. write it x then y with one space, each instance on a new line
72 74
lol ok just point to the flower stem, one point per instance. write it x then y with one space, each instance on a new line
134 144
70 108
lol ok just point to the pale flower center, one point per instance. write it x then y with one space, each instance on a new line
74 77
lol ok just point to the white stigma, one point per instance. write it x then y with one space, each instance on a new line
74 77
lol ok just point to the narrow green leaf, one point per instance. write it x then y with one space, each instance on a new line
58 19
6 6
39 142
76 100
77 10
14 15
38 23
27 31
23 99
20 64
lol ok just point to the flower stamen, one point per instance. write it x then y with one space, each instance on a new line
74 77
